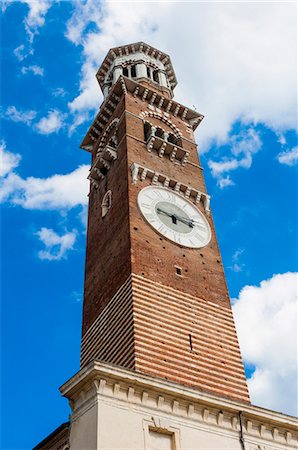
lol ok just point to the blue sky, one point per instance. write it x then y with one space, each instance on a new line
235 63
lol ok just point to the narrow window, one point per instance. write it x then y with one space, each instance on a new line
147 128
148 72
156 76
190 342
171 138
159 133
133 71
125 71
174 219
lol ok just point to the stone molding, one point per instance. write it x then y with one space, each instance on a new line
154 98
131 49
140 172
263 429
163 118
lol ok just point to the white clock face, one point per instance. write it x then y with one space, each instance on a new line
174 217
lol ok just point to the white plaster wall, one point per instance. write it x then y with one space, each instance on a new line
119 428
116 413
83 432
126 428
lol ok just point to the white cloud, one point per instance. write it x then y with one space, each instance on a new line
59 92
84 13
52 123
225 165
289 157
36 70
237 266
55 192
79 118
266 320
37 10
58 191
281 139
232 74
242 148
8 160
84 216
21 53
237 254
56 246
225 181
20 116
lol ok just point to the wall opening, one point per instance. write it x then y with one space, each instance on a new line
190 342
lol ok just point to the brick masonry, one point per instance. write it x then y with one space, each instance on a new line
150 328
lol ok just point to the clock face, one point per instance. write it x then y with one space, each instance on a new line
174 217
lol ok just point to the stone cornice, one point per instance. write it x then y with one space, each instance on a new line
131 49
138 171
155 99
107 380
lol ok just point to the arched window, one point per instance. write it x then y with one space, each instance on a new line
159 133
106 203
174 140
153 74
147 128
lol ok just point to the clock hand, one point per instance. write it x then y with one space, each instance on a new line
186 221
164 212
183 220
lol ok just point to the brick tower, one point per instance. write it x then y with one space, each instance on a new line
156 299
160 362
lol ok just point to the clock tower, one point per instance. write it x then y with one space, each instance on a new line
156 299
160 362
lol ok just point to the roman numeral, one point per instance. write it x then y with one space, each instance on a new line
145 205
162 229
197 236
177 239
200 227
151 217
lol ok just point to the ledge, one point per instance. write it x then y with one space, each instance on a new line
100 379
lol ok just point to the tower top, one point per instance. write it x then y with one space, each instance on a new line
138 61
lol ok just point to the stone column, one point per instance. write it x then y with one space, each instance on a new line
163 79
105 90
116 74
141 70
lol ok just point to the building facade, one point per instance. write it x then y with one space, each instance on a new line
160 361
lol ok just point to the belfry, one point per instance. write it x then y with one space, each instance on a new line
160 362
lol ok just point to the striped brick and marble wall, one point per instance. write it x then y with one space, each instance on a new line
186 339
111 336
157 330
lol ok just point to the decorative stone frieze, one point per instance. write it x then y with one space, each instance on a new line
140 172
103 140
164 143
168 406
156 101
102 165
162 118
